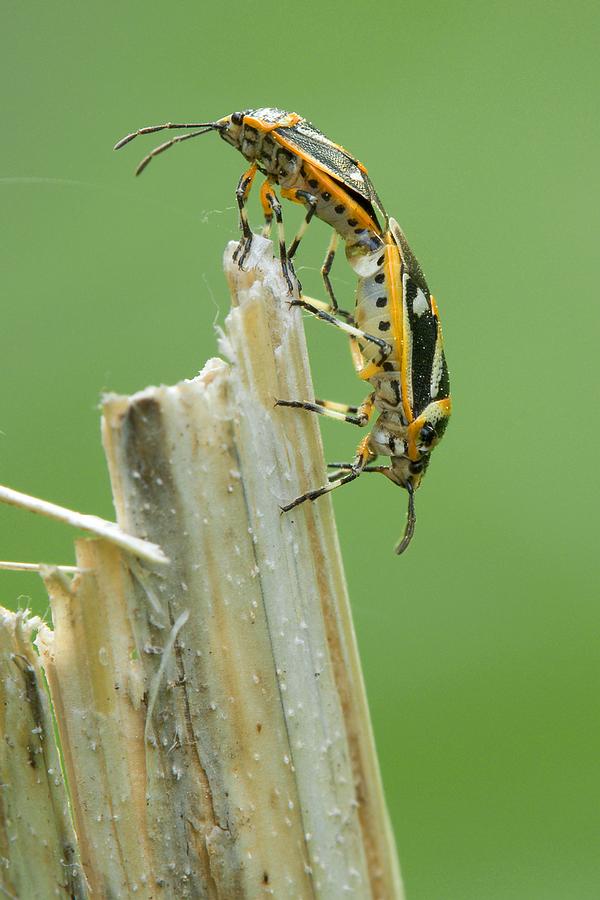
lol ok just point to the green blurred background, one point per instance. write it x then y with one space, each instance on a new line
479 125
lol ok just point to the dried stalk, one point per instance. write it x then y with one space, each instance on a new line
38 857
93 524
212 712
97 687
35 567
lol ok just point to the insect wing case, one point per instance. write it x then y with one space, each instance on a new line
310 143
426 367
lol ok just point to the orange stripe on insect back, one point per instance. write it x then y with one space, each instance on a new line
413 432
415 427
393 277
290 120
340 195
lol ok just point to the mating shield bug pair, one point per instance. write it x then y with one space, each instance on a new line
395 334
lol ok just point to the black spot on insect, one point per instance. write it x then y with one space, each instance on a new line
381 301
313 182
380 278
388 367
340 208
427 434
352 222
395 386
326 195
381 260
416 467
383 325
359 230
265 878
303 171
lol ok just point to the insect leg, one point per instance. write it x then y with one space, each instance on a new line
340 411
286 265
357 360
326 307
267 210
385 349
341 407
331 307
326 269
363 455
342 467
313 495
365 371
300 196
311 200
241 195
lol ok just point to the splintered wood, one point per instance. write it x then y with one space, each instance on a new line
38 850
212 713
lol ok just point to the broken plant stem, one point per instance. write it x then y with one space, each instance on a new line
94 524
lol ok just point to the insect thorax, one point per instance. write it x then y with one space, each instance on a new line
260 147
388 437
336 204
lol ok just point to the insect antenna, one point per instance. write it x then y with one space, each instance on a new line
152 129
411 520
202 128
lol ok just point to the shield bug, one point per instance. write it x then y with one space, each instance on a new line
308 168
408 374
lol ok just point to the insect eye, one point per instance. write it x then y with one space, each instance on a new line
237 118
427 434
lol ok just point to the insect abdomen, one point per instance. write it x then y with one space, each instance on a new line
374 311
348 214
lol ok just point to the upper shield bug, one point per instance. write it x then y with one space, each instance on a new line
308 167
395 334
